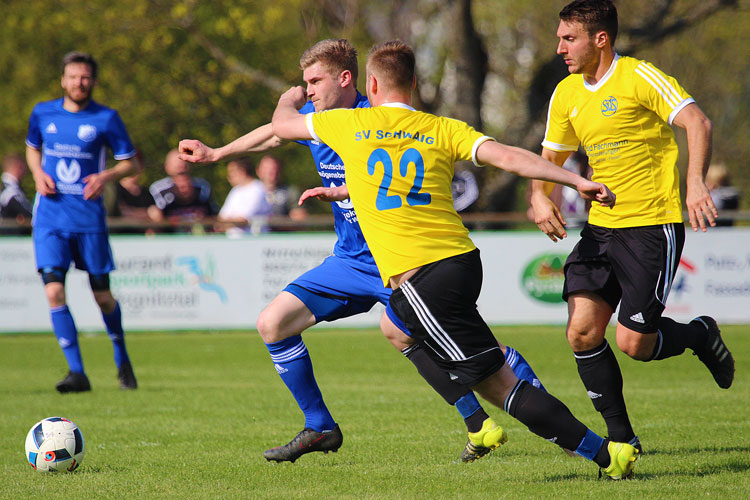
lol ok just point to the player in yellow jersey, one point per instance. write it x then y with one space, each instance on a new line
619 110
399 166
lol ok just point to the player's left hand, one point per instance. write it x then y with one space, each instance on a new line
700 206
93 186
337 193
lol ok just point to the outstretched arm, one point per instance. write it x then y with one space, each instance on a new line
256 141
526 164
287 122
697 199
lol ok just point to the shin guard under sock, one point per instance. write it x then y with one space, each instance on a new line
113 323
67 337
293 364
602 378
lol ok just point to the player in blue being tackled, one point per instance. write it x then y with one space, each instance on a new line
346 283
65 150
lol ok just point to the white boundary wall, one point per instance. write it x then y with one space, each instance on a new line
212 282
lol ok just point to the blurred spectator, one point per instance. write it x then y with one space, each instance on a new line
133 197
180 197
246 207
724 195
13 202
282 199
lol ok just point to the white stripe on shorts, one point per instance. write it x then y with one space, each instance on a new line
434 330
670 266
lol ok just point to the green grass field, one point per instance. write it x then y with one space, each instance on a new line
209 404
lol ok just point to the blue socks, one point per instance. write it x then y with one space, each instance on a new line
113 322
590 445
467 405
67 336
293 364
521 368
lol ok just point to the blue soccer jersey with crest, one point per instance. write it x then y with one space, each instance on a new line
73 146
351 244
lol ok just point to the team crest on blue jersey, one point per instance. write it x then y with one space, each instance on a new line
86 133
68 173
609 106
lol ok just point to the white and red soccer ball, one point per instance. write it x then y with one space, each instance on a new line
55 444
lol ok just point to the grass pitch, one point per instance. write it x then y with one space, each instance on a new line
209 404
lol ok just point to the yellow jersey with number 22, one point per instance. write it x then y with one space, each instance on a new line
399 166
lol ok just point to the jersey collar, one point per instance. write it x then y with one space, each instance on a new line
398 105
605 78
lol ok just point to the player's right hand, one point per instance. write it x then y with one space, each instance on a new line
297 96
45 184
548 217
194 151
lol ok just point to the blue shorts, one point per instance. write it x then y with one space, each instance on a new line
335 290
89 251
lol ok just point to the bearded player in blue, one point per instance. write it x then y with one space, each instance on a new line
346 283
66 151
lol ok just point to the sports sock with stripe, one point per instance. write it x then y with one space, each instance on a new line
293 364
548 417
600 374
67 337
521 367
113 323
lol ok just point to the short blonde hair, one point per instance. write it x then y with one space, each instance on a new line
393 63
337 55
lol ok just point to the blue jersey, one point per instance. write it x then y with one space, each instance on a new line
351 244
74 145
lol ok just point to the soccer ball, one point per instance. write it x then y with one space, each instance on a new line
55 444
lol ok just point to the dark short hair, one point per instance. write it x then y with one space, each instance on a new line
245 164
594 15
80 57
393 62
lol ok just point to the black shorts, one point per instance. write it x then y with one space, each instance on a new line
439 306
632 266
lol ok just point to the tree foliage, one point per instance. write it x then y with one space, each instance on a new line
213 70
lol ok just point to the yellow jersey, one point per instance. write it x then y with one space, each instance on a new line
622 123
398 168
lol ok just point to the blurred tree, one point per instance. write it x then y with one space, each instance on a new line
213 70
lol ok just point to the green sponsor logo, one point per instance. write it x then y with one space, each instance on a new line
543 278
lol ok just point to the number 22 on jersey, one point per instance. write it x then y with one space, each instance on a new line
411 156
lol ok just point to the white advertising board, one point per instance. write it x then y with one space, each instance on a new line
212 282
